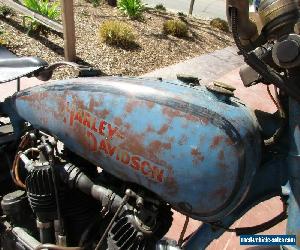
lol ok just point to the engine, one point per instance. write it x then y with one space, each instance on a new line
63 200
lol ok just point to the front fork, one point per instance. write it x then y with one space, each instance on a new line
293 225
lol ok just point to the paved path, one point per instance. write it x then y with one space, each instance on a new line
202 8
207 67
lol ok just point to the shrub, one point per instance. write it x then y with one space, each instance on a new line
160 7
43 7
181 14
95 3
176 28
132 8
117 33
3 41
220 24
6 11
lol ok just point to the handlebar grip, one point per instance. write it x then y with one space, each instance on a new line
246 28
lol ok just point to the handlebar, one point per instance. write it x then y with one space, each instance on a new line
246 28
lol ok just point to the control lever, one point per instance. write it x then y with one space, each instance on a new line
84 71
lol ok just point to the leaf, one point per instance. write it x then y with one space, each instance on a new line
43 7
131 8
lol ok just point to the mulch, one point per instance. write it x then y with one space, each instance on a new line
154 50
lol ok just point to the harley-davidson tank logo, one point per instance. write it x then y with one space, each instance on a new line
99 134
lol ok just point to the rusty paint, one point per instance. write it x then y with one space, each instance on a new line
88 138
204 120
183 140
35 99
135 143
127 126
150 105
221 193
118 121
171 113
156 147
202 139
222 165
171 140
79 133
229 142
163 129
127 146
103 113
131 105
197 156
170 182
216 141
192 118
77 102
149 129
221 155
93 103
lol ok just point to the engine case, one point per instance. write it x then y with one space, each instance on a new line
196 149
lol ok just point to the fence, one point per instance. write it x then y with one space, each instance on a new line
67 28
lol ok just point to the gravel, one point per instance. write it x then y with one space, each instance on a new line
155 49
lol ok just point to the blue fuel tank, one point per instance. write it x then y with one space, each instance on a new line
196 149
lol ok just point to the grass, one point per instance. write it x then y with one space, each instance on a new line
175 28
43 7
95 3
160 7
3 41
6 11
220 24
117 33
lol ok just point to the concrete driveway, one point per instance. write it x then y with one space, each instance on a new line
202 8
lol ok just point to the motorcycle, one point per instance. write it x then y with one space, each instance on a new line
100 162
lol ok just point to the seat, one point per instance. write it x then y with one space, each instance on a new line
13 67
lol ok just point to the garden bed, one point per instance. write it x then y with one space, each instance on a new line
154 50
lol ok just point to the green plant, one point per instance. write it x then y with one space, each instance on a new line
117 33
95 3
6 11
160 7
219 24
44 7
132 8
176 28
3 41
